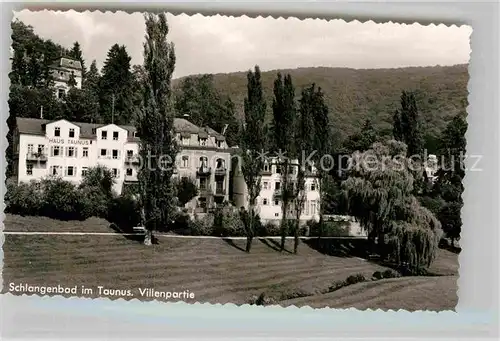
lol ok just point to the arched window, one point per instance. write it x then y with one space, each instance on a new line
219 163
203 162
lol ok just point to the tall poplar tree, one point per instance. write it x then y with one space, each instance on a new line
253 143
158 147
284 115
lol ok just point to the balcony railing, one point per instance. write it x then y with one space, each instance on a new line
205 191
220 191
133 159
266 172
203 170
36 157
221 171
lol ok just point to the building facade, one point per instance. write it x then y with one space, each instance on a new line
44 148
269 200
61 72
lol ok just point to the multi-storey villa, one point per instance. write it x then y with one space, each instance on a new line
61 71
68 149
269 199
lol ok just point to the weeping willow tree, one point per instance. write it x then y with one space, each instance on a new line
379 193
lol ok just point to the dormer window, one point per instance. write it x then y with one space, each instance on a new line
71 132
57 131
136 134
266 167
202 141
185 141
219 144
93 131
104 135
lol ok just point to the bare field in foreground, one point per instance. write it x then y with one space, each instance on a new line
216 270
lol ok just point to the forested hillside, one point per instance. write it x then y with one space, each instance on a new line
355 95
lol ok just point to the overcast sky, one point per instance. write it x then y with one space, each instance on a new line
223 44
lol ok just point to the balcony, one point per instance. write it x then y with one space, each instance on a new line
130 178
42 157
277 193
205 191
203 170
220 171
266 172
132 159
219 191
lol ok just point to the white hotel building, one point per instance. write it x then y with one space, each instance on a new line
45 148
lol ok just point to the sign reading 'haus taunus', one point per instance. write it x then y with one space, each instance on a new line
69 141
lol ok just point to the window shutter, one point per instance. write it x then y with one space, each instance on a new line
76 151
52 151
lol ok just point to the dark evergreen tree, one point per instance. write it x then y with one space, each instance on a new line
155 126
407 124
253 144
284 117
116 93
449 185
362 140
397 128
77 54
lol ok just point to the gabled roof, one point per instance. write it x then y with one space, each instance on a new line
35 126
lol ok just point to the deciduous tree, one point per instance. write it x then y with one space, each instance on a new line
156 128
253 144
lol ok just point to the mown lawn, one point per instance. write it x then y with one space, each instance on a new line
215 270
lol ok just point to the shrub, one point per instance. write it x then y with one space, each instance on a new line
202 226
390 274
61 199
228 223
124 212
185 189
23 198
330 229
353 279
94 202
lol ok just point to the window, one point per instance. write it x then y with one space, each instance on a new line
104 135
104 152
277 185
276 202
115 172
57 131
278 169
29 169
313 207
71 132
266 167
129 172
41 149
313 186
85 152
70 152
70 171
55 170
115 154
136 134
264 201
30 149
219 144
203 162
56 151
185 162
93 131
265 185
276 214
220 164
60 94
84 171
202 141
130 153
115 135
